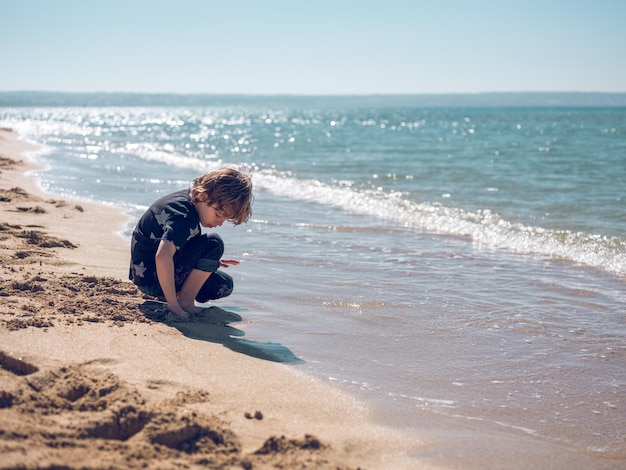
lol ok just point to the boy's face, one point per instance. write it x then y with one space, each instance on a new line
210 216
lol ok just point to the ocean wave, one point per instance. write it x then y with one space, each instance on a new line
483 227
158 153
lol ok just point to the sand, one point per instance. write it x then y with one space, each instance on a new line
95 375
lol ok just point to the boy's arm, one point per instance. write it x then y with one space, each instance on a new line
165 272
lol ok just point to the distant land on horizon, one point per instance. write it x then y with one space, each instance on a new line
492 99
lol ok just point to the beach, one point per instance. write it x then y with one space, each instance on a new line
427 304
93 375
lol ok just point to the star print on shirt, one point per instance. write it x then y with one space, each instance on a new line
193 232
139 269
162 217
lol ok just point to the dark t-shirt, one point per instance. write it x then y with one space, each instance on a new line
173 218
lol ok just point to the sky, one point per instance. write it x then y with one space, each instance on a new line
315 47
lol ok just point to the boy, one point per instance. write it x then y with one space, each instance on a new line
171 258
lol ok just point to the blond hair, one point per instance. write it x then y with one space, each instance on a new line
230 188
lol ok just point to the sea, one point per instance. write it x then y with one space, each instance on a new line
462 269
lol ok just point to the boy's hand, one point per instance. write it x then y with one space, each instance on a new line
224 263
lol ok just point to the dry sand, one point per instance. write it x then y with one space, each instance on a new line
93 375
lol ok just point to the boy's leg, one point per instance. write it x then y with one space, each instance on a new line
191 287
218 285
196 276
204 286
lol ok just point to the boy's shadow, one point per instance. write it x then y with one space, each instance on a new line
212 324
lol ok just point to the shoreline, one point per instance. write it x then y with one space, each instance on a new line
92 372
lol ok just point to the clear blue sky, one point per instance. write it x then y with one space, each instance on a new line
314 46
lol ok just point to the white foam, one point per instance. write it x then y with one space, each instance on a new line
482 227
151 152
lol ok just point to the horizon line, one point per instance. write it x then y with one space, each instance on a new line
314 94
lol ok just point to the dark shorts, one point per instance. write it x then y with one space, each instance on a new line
204 253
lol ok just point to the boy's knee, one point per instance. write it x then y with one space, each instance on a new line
208 265
212 251
213 246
